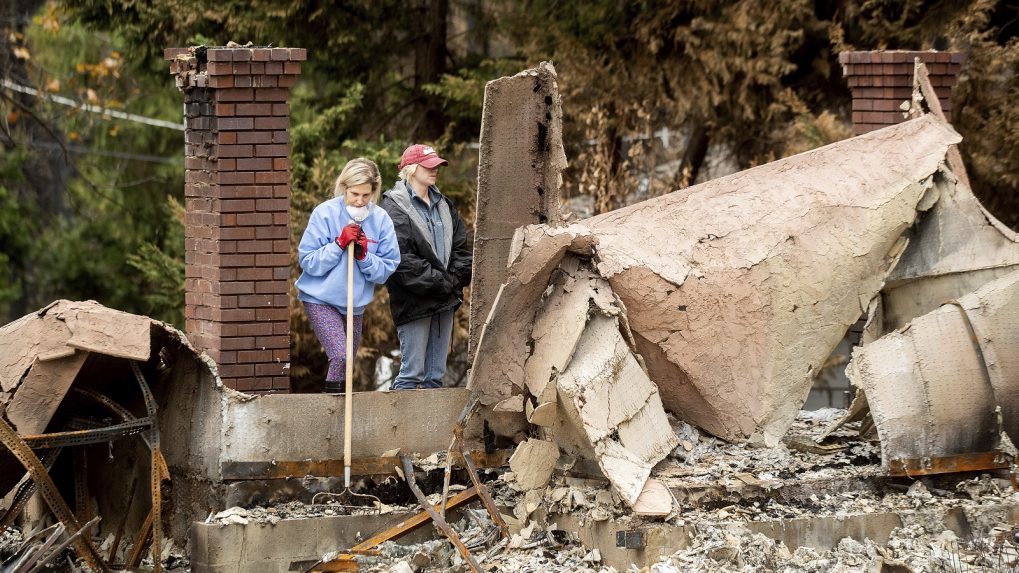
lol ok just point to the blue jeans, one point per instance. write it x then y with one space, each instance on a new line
424 344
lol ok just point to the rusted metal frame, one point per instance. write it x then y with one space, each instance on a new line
157 468
49 491
149 422
27 490
281 469
135 556
390 533
411 523
473 402
483 493
950 464
111 559
123 413
408 473
82 507
86 437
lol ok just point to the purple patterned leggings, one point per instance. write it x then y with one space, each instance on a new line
330 326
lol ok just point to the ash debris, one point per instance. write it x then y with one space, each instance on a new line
910 549
727 498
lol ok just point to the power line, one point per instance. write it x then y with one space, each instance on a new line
91 108
83 150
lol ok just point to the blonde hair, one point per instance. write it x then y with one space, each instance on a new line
356 172
407 171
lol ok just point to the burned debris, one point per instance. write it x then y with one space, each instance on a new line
79 420
941 390
634 397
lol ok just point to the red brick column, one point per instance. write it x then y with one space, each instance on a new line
881 81
237 194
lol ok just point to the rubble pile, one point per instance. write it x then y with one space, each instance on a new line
719 304
738 489
911 549
918 546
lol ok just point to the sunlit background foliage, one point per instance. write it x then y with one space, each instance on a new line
657 96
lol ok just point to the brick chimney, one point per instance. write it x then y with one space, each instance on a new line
237 195
881 81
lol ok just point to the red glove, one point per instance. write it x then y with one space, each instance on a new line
353 232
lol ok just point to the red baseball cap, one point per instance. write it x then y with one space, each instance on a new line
421 155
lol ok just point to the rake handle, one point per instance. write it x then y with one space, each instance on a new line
348 403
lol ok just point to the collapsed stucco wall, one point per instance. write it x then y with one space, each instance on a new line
933 386
736 290
55 357
519 174
956 246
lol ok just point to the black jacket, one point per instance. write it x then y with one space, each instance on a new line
421 285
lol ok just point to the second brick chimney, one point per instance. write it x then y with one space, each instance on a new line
882 80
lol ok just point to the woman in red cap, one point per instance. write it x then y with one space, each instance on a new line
435 266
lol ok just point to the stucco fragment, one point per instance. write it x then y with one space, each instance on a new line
611 406
993 311
43 351
746 283
532 463
956 246
44 387
498 367
654 501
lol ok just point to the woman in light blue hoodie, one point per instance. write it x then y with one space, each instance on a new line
350 217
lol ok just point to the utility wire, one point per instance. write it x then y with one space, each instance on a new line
83 150
91 108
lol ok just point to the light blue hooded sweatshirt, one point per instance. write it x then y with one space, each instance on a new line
324 280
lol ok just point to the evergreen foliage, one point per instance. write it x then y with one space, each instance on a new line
657 96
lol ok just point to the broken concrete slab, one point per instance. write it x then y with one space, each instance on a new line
732 311
287 545
933 386
522 159
819 533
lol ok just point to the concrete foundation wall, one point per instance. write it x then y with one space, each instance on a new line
821 533
290 545
310 426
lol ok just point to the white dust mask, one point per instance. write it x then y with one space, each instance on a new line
358 213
